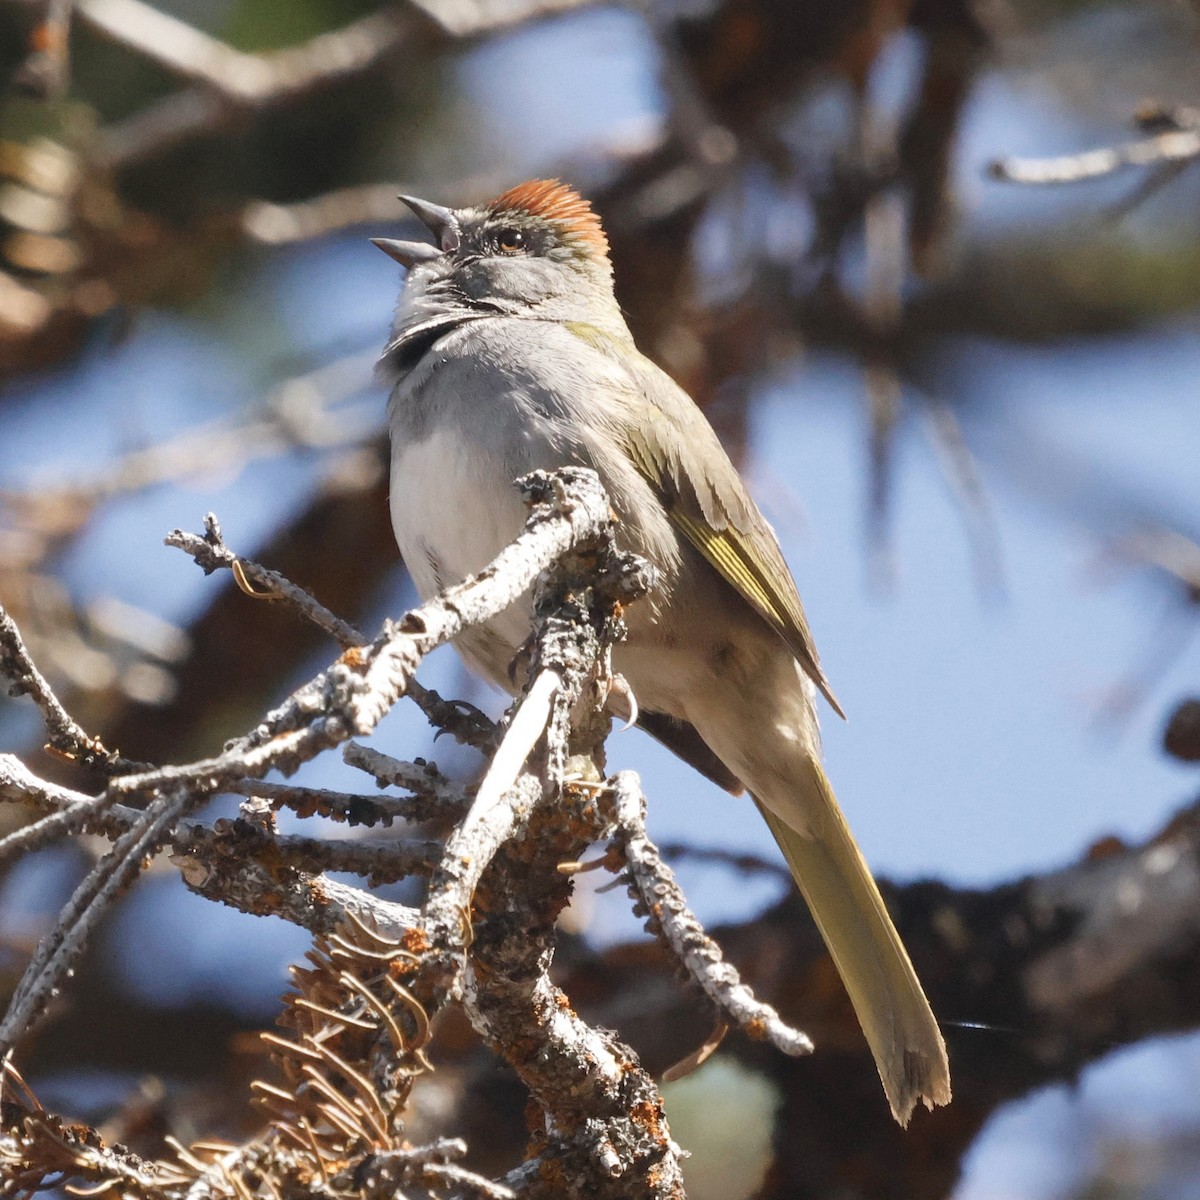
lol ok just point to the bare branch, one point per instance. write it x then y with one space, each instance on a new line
210 553
229 83
669 917
377 862
18 785
526 727
67 738
735 860
58 950
420 777
228 80
435 798
266 888
466 723
1170 146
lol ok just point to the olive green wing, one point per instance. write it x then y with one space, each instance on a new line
677 452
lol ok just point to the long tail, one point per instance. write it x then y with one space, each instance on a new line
837 884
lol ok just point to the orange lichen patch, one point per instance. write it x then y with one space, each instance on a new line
355 657
555 201
415 940
756 1029
648 1116
657 1176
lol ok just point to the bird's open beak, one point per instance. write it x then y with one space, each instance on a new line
408 254
441 222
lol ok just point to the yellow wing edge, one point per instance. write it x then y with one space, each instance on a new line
737 568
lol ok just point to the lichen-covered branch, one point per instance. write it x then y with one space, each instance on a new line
349 698
662 900
360 1018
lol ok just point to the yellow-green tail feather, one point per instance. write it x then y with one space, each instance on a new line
849 911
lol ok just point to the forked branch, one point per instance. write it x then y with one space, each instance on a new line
359 1021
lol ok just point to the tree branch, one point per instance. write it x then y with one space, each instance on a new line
362 1011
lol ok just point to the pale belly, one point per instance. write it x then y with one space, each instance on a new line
454 508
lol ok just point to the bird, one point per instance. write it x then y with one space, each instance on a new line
509 353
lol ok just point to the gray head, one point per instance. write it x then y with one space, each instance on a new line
535 251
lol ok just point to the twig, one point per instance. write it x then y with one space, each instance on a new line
229 81
671 919
233 842
313 902
464 861
391 1170
420 776
884 227
435 799
210 553
749 863
38 834
1173 146
376 862
526 727
67 738
46 1145
59 949
961 472
18 785
1154 181
570 508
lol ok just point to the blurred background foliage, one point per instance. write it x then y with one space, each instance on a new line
969 406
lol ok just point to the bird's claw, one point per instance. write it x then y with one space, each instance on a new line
621 701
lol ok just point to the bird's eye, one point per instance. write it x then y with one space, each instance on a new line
510 241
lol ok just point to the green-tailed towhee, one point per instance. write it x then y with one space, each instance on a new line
508 354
